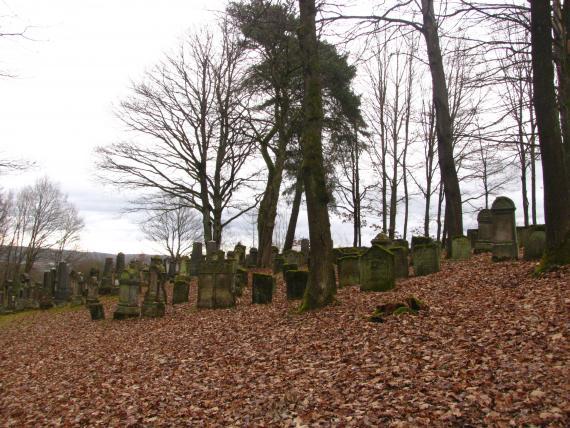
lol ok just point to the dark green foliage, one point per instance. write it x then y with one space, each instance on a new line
412 306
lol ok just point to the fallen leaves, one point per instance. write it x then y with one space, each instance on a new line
492 350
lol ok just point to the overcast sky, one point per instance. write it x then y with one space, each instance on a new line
60 106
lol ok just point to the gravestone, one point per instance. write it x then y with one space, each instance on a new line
46 293
426 259
241 280
523 233
381 240
129 286
484 241
377 269
420 240
460 248
63 290
400 253
239 250
95 307
305 250
252 257
211 248
402 243
216 285
180 289
296 282
196 258
107 282
505 245
292 257
472 235
119 264
278 263
154 304
184 269
172 268
289 266
262 288
535 244
76 291
348 270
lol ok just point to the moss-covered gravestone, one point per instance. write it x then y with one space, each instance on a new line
239 251
292 257
426 259
107 284
505 245
377 269
195 258
296 282
180 289
119 264
62 288
460 248
251 259
381 240
278 263
262 288
129 285
472 235
76 291
401 269
153 304
535 244
95 307
348 270
484 241
216 285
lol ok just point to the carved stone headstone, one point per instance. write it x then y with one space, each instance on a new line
119 264
296 282
381 239
216 285
241 280
75 281
129 285
348 270
535 244
262 288
377 269
211 248
180 289
107 280
426 259
239 250
484 241
401 269
63 290
196 258
154 304
46 293
505 246
278 263
252 257
460 248
95 307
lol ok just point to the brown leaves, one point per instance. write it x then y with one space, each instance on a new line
492 350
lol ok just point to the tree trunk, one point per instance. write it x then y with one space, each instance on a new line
295 208
555 177
533 181
439 205
443 125
321 286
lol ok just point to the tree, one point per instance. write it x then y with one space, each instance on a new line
172 225
321 286
555 178
190 117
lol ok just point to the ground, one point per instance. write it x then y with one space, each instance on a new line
493 349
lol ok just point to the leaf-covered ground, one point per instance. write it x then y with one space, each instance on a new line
492 350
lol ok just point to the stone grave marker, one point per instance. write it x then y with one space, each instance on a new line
484 241
348 270
377 269
129 286
505 245
460 248
426 259
216 285
296 282
535 244
154 304
262 288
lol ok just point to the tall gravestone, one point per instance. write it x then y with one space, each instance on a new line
426 258
535 244
154 304
377 269
401 269
460 248
75 284
119 264
296 282
211 248
107 282
216 285
484 241
348 270
129 285
46 294
472 235
196 258
252 257
95 307
505 246
63 290
262 288
278 263
239 250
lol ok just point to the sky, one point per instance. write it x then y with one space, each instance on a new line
78 65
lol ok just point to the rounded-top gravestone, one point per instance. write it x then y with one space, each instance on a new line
504 238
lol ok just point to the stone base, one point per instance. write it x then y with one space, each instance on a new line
97 311
483 247
153 309
124 312
505 251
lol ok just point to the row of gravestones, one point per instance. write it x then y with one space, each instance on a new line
376 268
498 234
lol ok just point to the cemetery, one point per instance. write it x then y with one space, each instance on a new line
285 213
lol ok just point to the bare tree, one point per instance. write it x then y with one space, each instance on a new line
172 225
189 115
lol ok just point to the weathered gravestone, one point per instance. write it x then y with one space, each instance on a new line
172 268
239 250
377 269
46 294
154 304
252 257
472 235
505 245
535 244
460 248
180 289
381 240
211 248
107 282
289 266
95 307
296 282
216 285
278 263
400 253
484 241
196 258
293 257
426 259
119 265
241 280
523 233
129 286
76 291
63 290
348 270
262 288
184 269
